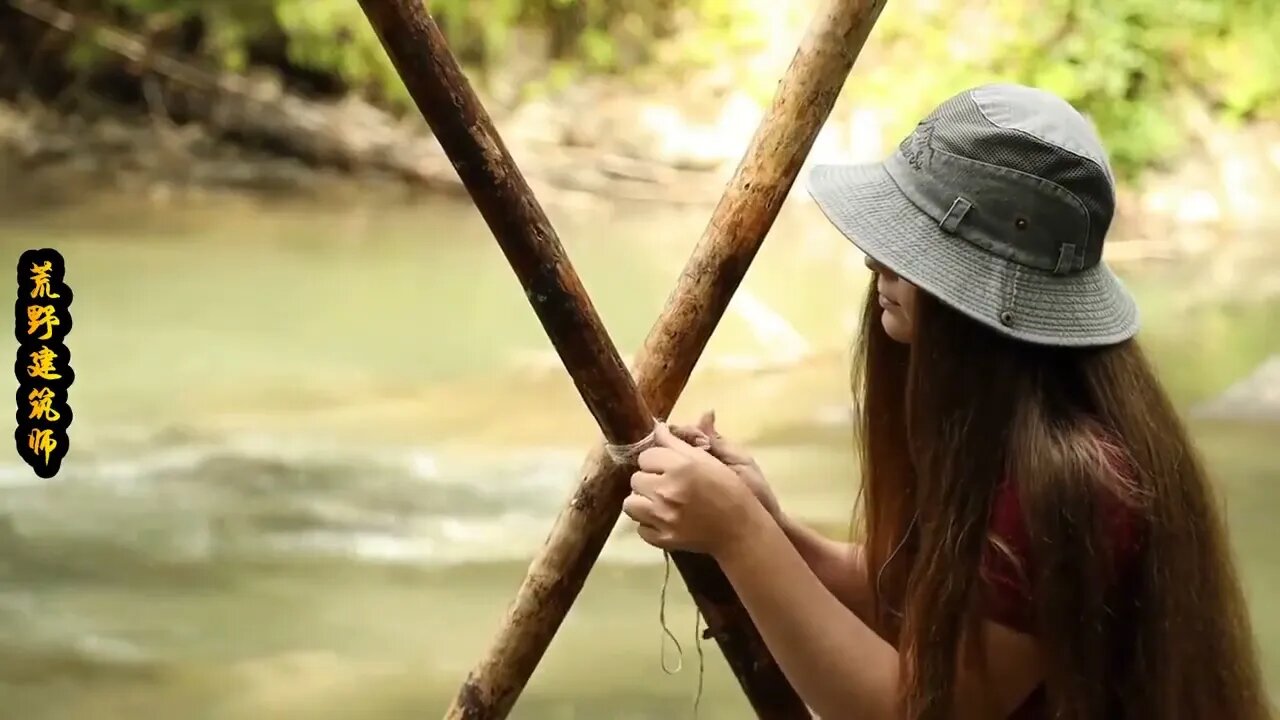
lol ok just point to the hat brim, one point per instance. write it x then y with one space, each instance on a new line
1087 308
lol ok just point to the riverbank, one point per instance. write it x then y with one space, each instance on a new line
599 141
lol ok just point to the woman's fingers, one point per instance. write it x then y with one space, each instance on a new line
664 437
729 453
645 483
705 437
658 459
723 450
640 508
691 435
655 537
707 423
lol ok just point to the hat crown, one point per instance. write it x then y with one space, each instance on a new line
1016 170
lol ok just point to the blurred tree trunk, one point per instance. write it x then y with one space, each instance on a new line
565 24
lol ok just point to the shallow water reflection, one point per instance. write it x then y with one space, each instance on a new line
314 450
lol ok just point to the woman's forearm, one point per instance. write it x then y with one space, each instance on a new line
840 566
840 667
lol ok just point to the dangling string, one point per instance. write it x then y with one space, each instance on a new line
666 633
626 454
662 620
697 643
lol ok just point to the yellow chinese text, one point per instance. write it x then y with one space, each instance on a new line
45 315
41 441
41 400
40 276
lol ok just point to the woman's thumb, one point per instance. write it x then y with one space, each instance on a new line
707 423
665 438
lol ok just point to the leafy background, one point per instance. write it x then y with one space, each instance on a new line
1133 65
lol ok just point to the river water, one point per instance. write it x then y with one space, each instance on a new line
315 446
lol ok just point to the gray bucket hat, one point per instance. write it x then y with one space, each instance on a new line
997 204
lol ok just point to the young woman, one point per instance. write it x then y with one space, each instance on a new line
1039 539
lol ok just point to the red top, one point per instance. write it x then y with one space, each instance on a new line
1008 590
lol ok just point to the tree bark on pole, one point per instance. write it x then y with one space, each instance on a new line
623 407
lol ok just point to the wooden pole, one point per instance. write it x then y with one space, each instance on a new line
738 226
465 131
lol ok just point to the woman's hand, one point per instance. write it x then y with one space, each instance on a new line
704 435
685 499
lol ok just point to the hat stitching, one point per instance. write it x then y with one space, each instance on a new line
955 215
1000 169
1066 258
1084 158
1012 301
1042 300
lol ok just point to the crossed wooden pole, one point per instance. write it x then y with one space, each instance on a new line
623 407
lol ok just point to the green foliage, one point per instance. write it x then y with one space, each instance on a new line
334 36
328 36
1127 63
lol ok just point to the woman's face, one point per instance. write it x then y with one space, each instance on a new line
898 299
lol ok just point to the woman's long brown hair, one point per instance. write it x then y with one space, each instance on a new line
943 421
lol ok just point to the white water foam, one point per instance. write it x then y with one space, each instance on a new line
197 501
